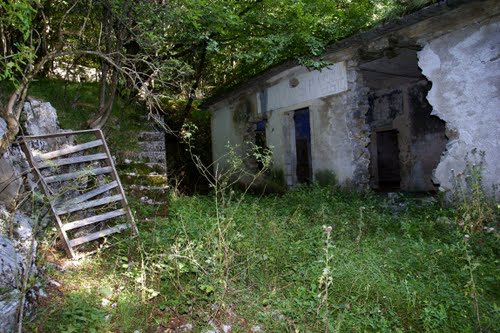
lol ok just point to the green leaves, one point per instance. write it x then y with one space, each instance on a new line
16 18
18 15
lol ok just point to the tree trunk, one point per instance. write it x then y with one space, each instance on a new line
198 75
12 113
106 100
106 108
103 84
106 96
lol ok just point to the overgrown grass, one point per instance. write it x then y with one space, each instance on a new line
393 269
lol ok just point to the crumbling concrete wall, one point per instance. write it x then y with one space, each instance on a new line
421 138
230 125
328 95
464 68
336 102
460 57
340 135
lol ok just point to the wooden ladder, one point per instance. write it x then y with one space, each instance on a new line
95 159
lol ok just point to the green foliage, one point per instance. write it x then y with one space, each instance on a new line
407 272
181 168
325 178
16 18
477 212
272 182
476 208
80 313
395 8
77 102
178 50
266 33
242 39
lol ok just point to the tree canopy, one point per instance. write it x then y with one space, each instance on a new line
171 50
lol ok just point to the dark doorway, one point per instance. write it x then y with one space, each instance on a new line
303 145
397 100
389 176
260 140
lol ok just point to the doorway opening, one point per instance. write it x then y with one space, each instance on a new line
260 140
406 139
389 176
303 145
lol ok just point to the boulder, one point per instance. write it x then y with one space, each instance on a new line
9 265
3 127
23 237
9 307
5 218
16 240
41 118
9 178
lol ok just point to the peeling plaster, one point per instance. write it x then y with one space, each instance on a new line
464 69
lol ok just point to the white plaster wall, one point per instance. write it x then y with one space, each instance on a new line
464 68
331 142
276 138
307 86
337 143
224 132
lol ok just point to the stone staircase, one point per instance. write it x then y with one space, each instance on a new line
152 149
143 172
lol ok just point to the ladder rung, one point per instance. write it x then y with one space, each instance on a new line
96 235
71 160
94 219
90 194
88 204
74 175
69 150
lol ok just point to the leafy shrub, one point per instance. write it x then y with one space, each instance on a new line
390 272
476 209
81 313
326 178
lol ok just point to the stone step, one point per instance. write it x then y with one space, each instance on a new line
144 175
153 179
151 136
149 187
134 166
147 156
153 192
157 166
160 207
152 146
152 202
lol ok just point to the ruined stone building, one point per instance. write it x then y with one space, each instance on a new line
401 106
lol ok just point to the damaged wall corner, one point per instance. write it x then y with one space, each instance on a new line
464 68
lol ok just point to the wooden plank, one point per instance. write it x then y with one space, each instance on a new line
94 219
96 235
55 135
88 204
90 194
71 160
68 150
74 175
115 177
64 236
82 201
